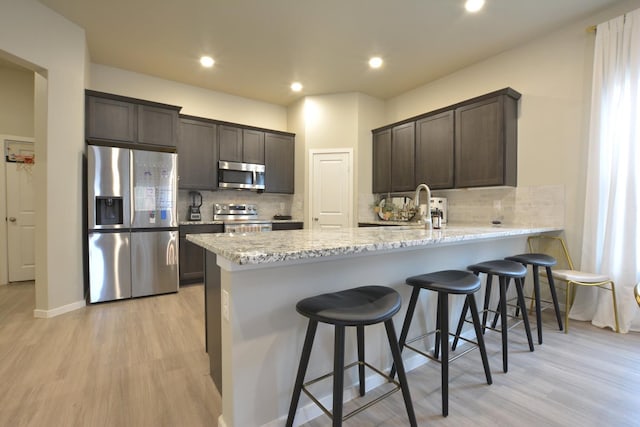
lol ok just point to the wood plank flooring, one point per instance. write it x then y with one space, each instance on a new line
128 363
142 363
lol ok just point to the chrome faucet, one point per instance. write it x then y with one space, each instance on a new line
416 202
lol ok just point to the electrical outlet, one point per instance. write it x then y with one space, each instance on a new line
225 305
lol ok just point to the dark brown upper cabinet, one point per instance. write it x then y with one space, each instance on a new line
128 120
434 150
393 159
486 142
403 157
241 145
111 119
253 146
230 143
157 126
469 144
279 157
382 161
197 154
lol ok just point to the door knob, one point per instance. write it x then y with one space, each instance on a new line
12 219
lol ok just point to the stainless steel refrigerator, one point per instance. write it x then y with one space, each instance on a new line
132 223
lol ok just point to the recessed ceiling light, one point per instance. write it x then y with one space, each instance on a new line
207 61
375 62
296 86
473 5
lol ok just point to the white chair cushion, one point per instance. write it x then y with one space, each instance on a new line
579 276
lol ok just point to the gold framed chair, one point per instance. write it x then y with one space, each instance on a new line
636 291
566 272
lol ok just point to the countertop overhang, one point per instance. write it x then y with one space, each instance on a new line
297 245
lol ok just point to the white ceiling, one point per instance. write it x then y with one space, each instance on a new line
261 46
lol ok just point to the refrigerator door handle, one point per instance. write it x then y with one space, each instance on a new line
132 204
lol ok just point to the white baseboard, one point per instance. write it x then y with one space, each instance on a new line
45 314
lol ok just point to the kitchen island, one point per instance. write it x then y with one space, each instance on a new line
253 282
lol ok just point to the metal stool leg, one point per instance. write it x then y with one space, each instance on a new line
443 306
302 370
487 298
436 346
525 317
407 323
503 322
402 378
536 291
463 316
360 333
554 297
338 375
479 337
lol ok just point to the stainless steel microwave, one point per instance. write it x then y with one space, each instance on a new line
248 176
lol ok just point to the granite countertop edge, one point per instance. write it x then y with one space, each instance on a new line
268 248
222 222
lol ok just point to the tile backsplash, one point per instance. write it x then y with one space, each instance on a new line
534 205
268 204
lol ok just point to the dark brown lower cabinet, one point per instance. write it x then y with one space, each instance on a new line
278 226
192 256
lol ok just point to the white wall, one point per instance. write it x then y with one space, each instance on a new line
194 101
16 102
554 76
370 116
55 48
16 122
335 121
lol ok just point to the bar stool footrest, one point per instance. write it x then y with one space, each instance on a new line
360 408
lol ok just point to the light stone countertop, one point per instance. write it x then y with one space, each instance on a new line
281 246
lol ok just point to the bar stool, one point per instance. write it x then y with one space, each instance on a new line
540 260
505 270
444 283
359 307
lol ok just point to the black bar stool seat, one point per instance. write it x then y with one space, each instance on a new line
444 283
505 270
537 260
359 307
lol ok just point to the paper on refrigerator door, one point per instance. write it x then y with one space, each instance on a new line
165 199
144 198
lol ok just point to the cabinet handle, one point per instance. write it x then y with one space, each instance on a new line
12 219
315 219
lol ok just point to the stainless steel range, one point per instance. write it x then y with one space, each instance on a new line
240 218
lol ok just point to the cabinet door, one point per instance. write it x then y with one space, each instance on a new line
230 143
191 261
482 148
279 152
253 146
279 226
434 151
382 161
191 255
197 155
403 157
157 126
111 119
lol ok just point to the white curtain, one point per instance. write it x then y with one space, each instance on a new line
611 240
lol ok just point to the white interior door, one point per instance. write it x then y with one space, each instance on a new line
20 222
331 189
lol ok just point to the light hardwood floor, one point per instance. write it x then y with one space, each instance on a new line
141 362
128 363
